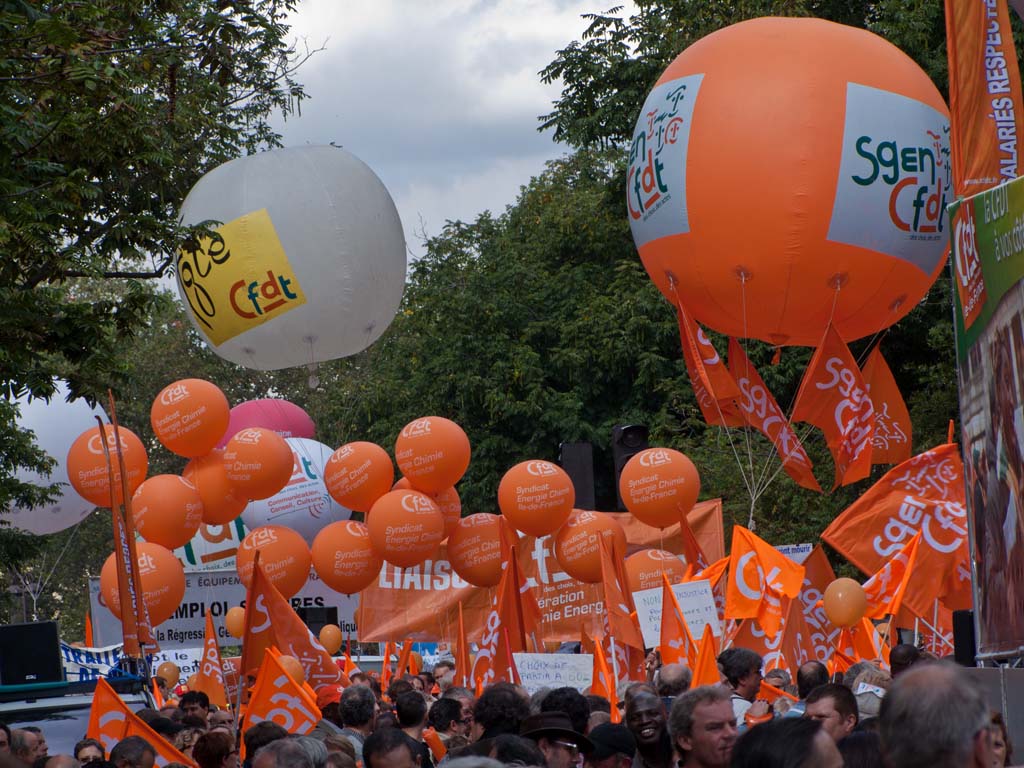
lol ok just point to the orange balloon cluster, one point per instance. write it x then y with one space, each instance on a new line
474 549
258 463
536 497
344 557
577 544
406 527
167 510
357 474
659 486
189 417
162 577
87 464
845 602
433 453
284 557
221 502
644 569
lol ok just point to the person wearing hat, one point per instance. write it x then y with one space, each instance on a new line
614 747
561 745
327 699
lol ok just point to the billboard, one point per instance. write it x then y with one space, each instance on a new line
988 268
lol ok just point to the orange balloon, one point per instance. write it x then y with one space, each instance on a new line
234 621
577 544
163 582
293 667
284 557
845 602
822 204
221 505
357 474
644 569
344 558
406 527
330 638
167 510
659 486
87 467
536 497
192 682
447 501
169 672
474 549
258 462
189 417
432 453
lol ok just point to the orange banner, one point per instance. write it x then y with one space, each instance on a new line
834 398
886 588
278 698
926 495
210 677
893 433
422 602
110 720
713 385
818 574
759 577
620 619
676 643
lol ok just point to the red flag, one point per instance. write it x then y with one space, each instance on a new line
705 671
761 412
210 677
462 673
621 624
891 441
834 398
885 589
676 643
713 385
759 577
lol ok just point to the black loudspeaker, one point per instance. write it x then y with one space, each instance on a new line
577 459
30 653
318 617
627 441
964 648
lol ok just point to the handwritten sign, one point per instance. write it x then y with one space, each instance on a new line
555 670
696 601
796 552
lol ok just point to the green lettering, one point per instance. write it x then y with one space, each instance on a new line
862 143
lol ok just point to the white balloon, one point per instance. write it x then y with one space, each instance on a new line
56 425
304 505
343 250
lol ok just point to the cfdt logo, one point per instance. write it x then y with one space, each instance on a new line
341 454
582 518
95 444
970 282
541 468
252 299
417 503
173 394
661 555
146 563
248 436
357 530
260 537
655 457
416 428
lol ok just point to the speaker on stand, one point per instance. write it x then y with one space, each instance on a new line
627 441
30 654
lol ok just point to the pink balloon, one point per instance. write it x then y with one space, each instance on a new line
287 419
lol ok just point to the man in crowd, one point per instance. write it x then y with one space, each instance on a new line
466 699
934 716
570 701
559 742
282 753
645 718
5 739
741 668
703 727
612 746
328 700
359 714
501 709
809 676
390 748
195 704
835 707
445 717
26 746
259 736
133 752
672 680
411 711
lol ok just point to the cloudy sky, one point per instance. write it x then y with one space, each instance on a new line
440 99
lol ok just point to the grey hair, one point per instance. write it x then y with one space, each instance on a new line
131 749
680 719
287 753
673 679
315 749
931 716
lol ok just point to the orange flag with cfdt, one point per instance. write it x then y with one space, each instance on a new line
834 398
692 550
885 589
759 577
280 699
110 721
705 671
621 623
891 441
761 412
210 677
603 682
676 643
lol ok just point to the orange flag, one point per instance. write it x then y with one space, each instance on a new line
839 662
886 588
158 697
350 666
587 643
692 551
714 572
110 720
385 670
676 643
818 574
923 495
834 398
277 697
404 658
493 659
713 385
462 675
705 670
797 644
603 683
622 625
759 577
771 694
761 412
893 432
210 677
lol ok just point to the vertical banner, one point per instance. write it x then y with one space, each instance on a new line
990 357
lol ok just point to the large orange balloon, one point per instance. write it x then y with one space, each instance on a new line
841 143
189 417
536 497
167 510
357 474
258 462
577 544
433 453
845 602
659 486
330 638
284 557
221 504
87 467
344 557
163 582
644 569
474 549
406 527
234 621
169 672
447 501
293 667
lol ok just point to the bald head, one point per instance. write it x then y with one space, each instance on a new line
673 679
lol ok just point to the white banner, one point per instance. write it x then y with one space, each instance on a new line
696 600
555 670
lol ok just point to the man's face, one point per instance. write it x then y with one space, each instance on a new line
41 745
832 722
645 717
559 753
88 753
196 709
5 743
712 736
220 717
31 748
466 711
400 757
749 684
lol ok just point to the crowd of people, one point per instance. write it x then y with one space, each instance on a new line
924 714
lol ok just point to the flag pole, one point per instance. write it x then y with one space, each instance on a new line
615 661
